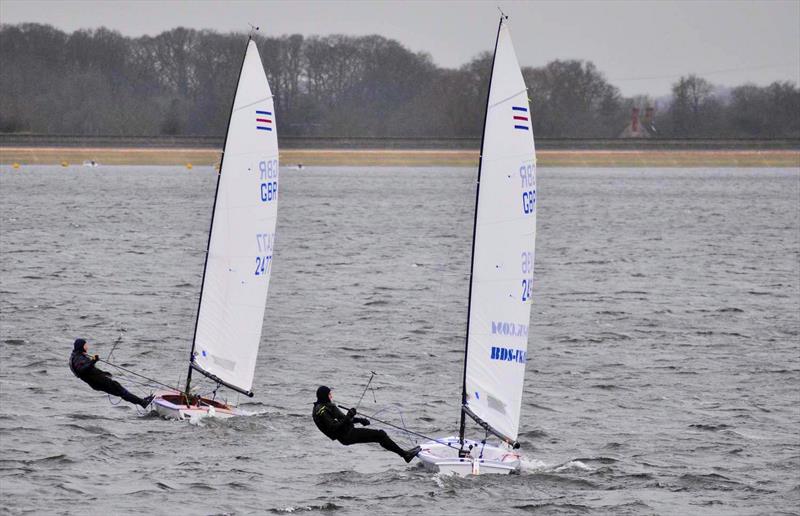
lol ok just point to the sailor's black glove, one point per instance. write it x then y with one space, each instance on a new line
96 358
364 421
351 413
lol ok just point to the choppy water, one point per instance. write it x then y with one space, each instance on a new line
665 358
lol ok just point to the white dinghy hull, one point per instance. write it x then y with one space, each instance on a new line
172 405
487 459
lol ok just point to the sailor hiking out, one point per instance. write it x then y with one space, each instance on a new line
83 366
338 426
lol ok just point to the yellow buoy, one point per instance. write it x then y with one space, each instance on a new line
189 166
15 165
64 164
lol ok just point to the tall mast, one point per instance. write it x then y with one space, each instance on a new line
462 424
213 211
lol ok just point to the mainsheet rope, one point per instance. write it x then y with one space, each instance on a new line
404 429
139 375
153 381
402 419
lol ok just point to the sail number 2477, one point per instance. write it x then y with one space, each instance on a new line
264 259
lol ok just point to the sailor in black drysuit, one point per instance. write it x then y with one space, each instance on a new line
82 366
339 426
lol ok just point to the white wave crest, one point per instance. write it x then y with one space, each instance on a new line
573 465
529 465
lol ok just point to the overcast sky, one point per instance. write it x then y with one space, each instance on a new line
641 46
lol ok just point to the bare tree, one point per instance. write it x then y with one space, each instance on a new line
690 96
181 82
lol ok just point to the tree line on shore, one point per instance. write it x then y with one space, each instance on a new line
181 82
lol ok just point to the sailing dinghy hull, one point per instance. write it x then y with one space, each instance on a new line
487 459
172 405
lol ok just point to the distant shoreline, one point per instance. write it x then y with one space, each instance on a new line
29 155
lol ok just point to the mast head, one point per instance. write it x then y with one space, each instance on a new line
503 16
253 30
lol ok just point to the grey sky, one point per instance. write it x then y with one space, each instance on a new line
641 46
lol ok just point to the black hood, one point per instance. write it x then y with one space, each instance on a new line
322 394
78 345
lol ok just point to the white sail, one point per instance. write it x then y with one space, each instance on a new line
239 261
505 232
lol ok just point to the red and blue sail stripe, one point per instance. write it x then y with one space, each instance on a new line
263 120
521 119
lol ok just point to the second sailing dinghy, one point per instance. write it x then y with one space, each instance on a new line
500 280
239 256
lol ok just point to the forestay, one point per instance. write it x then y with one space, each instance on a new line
239 261
503 254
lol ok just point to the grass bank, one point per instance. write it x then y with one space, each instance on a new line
407 157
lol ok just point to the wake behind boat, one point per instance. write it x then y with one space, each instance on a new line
238 263
501 279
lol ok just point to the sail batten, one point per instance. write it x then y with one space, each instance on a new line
507 99
503 252
253 103
241 242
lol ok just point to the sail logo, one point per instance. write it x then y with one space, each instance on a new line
264 120
509 328
509 355
521 120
